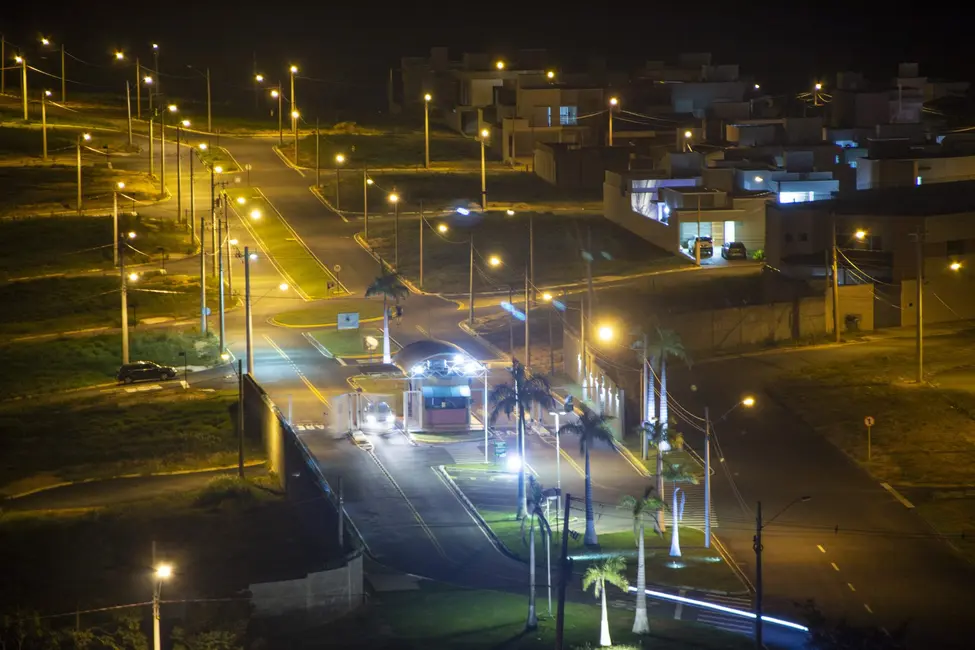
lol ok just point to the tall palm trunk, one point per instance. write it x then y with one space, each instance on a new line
661 515
387 359
532 622
640 623
590 538
675 532
651 397
664 411
522 511
604 639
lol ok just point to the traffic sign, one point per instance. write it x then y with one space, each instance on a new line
868 420
500 449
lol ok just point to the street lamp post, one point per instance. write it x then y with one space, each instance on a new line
128 110
179 173
470 285
339 159
23 81
118 186
203 257
294 128
366 182
248 323
747 402
484 136
426 127
218 251
276 93
161 573
120 244
293 70
394 199
152 160
155 61
613 103
259 79
44 96
81 137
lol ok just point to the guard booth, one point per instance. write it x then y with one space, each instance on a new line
439 375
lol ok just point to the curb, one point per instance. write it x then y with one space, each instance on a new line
735 567
386 265
86 481
472 511
276 323
467 329
316 192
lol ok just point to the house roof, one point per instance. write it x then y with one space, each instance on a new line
908 201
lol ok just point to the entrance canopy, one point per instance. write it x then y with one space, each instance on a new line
436 359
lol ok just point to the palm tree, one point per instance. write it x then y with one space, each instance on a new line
536 499
666 344
520 395
640 507
389 285
677 473
597 576
590 427
662 439
642 346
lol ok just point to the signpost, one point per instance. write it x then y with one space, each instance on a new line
869 422
348 321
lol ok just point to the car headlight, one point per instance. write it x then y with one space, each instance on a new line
390 418
371 419
513 462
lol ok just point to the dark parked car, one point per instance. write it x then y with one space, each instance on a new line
734 250
144 371
707 247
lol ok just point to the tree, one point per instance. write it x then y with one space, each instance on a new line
662 439
677 473
642 346
666 344
590 427
520 396
536 498
597 576
388 285
640 508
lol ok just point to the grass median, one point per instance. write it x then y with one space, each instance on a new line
325 313
389 147
351 343
303 271
559 241
121 433
217 156
44 245
65 304
440 616
54 189
38 367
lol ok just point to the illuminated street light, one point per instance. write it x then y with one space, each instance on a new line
293 69
86 136
748 401
605 333
275 94
18 59
819 86
172 108
133 277
259 78
860 234
185 122
757 87
510 213
339 158
442 228
47 93
494 260
613 101
369 181
295 115
427 97
218 169
202 146
119 56
241 200
255 214
687 134
253 257
547 297
283 286
499 65
45 41
120 185
550 74
955 266
233 242
393 198
155 46
131 234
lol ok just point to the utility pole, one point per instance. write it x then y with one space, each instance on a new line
43 124
565 566
138 89
365 203
341 514
757 545
470 286
707 477
123 290
531 255
209 105
213 216
64 84
318 157
836 288
511 323
179 178
128 109
421 244
152 161
240 418
218 251
192 196
115 234
920 306
248 323
203 266
528 348
162 151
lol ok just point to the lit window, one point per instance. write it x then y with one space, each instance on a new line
795 197
568 115
917 181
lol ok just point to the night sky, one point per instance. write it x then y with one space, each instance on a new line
348 47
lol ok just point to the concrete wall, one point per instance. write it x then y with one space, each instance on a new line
617 208
901 172
599 392
948 295
577 167
856 300
320 596
262 418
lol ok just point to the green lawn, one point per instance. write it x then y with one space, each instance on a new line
43 190
35 367
29 142
349 343
442 191
952 513
65 304
138 432
44 245
559 240
305 273
89 116
698 567
218 539
396 147
217 156
325 313
440 616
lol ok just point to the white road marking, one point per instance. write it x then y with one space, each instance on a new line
680 606
820 547
867 607
897 495
833 564
850 585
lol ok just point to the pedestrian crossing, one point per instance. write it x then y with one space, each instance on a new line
724 620
465 453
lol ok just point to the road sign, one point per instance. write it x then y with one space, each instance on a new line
337 268
500 449
248 167
348 321
868 420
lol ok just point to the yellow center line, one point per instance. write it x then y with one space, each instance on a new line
820 547
301 375
850 585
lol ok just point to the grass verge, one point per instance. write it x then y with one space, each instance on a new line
325 313
952 513
48 366
46 245
304 272
217 156
53 189
219 540
559 242
64 304
124 433
370 148
440 616
349 343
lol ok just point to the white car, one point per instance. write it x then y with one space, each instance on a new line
379 416
361 440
